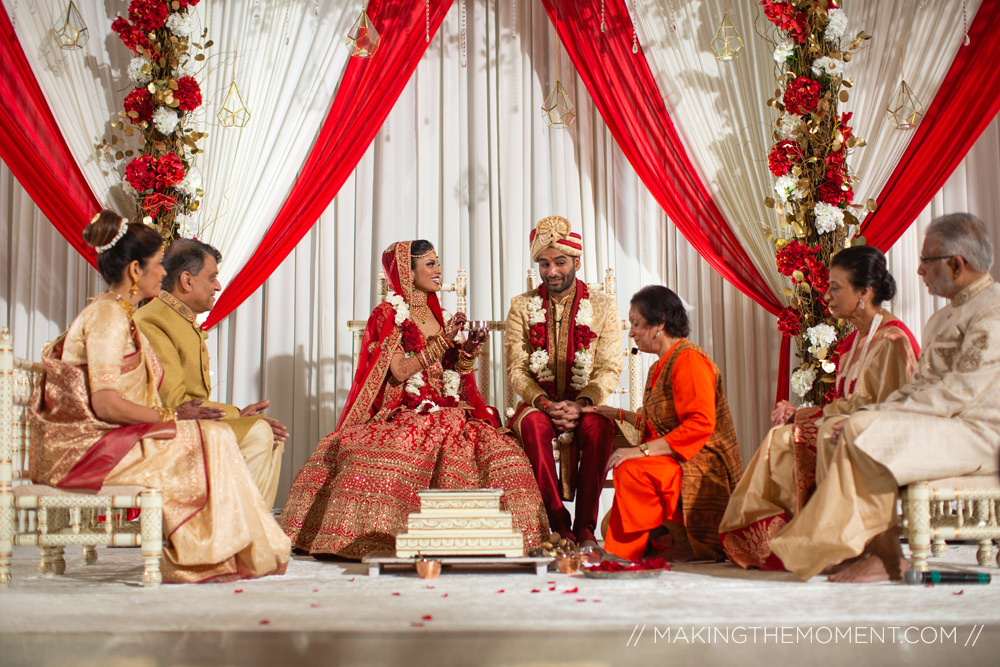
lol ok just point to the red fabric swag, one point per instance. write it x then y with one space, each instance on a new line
622 86
966 103
366 95
34 149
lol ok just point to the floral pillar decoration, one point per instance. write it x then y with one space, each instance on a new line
161 178
814 187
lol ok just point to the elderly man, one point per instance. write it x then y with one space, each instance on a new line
169 322
564 351
945 422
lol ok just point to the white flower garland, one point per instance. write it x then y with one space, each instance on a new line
583 360
452 381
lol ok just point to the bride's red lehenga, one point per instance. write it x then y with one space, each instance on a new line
353 495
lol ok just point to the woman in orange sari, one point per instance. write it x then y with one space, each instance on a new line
414 420
877 358
680 476
97 419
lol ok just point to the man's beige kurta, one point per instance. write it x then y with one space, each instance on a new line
943 423
179 343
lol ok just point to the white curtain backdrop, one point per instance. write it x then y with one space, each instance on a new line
465 161
719 106
285 65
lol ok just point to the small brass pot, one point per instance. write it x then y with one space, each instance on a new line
428 568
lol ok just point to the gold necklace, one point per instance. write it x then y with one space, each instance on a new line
125 304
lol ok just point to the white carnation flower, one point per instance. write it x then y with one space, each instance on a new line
585 313
828 217
165 120
135 72
583 361
784 51
402 310
191 183
414 383
538 362
785 187
451 381
837 26
536 314
186 66
185 225
821 335
802 380
182 24
829 66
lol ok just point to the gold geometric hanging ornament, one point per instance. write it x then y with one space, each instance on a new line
558 109
906 110
70 31
234 113
363 39
727 43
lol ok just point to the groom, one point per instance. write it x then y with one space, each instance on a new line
564 351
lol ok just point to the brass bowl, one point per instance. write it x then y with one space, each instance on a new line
568 563
428 569
590 555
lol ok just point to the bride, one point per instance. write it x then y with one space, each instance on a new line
414 419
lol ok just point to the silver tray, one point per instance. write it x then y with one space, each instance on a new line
591 573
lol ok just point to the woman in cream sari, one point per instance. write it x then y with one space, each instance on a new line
414 420
97 419
877 358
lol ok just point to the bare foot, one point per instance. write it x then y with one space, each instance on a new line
679 552
883 562
840 567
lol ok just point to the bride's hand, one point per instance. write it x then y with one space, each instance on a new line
475 339
455 326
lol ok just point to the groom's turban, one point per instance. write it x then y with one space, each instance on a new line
554 232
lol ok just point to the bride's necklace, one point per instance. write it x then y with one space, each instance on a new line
848 386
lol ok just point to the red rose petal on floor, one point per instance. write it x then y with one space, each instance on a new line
265 622
959 592
536 590
552 588
426 617
238 590
315 590
314 604
581 599
551 583
444 595
351 579
417 624
596 600
928 585
501 591
569 591
395 593
429 586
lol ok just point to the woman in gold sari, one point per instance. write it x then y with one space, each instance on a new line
671 490
414 420
877 358
97 419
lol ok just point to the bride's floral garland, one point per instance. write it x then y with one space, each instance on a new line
583 335
418 394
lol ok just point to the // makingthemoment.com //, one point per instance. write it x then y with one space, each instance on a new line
793 634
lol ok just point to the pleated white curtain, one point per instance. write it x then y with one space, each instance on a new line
719 106
284 62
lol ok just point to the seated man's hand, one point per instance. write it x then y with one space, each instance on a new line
836 430
783 413
279 430
570 410
193 410
255 409
562 424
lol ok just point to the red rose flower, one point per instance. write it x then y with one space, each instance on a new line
157 202
141 173
139 103
582 336
188 94
148 14
132 36
819 276
188 3
801 96
783 157
787 19
831 192
792 257
846 129
790 322
170 170
413 340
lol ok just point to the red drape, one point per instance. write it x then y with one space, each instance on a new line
968 100
34 149
367 93
625 92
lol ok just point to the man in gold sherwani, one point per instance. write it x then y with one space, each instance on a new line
945 422
564 351
169 322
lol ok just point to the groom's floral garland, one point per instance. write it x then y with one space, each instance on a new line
814 184
418 394
583 335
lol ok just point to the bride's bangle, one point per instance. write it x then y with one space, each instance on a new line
466 362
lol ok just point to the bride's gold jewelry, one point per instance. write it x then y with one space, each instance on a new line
466 362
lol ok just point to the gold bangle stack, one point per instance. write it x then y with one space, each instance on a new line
466 362
166 414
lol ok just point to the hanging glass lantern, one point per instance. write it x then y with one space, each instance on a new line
70 31
727 43
558 109
363 39
906 110
234 113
